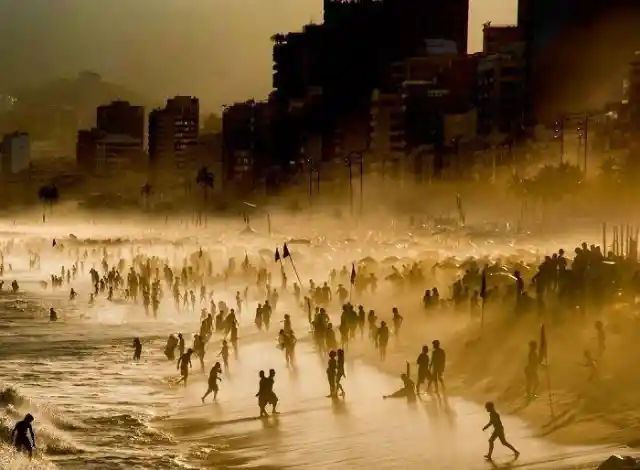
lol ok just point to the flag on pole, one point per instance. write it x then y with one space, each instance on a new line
285 251
461 214
353 274
542 347
483 286
277 255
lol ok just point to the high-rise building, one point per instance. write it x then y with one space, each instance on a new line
347 57
87 149
173 131
495 38
15 153
120 117
117 141
576 51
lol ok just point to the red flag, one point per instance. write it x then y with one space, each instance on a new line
353 274
277 255
542 347
285 251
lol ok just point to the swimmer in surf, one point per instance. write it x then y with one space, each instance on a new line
22 430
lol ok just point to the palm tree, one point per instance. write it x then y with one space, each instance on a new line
145 192
524 190
205 179
48 195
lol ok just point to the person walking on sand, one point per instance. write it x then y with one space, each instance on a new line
498 431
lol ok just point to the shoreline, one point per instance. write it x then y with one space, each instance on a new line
584 414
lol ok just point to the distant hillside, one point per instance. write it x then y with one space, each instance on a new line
82 93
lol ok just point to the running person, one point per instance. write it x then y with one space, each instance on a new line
498 431
214 377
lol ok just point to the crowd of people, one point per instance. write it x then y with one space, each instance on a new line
591 280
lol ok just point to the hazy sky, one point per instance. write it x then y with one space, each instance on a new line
218 50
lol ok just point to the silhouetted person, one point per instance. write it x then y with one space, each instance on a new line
263 398
332 369
397 322
407 391
184 363
340 372
423 367
22 430
53 315
224 354
272 398
214 377
531 371
383 340
438 360
498 431
137 349
170 348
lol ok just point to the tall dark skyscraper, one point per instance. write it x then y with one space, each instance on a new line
578 51
121 118
173 131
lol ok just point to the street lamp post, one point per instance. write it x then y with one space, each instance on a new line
586 142
560 135
310 183
350 187
583 134
361 185
360 161
313 170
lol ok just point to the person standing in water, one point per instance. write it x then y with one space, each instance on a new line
22 430
137 349
184 363
498 431
272 398
263 399
214 377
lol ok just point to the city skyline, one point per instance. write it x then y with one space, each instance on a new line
73 37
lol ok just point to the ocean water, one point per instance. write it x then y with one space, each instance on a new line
97 408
